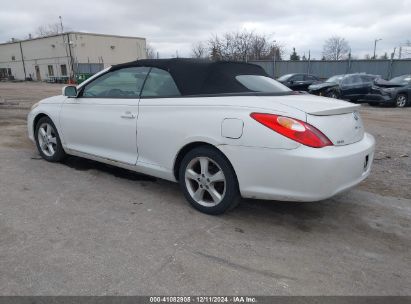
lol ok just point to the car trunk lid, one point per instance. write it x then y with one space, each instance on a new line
341 129
337 119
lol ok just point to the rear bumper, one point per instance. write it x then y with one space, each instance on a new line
301 174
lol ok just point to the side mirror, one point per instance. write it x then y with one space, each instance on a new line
69 91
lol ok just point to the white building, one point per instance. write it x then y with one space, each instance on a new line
56 57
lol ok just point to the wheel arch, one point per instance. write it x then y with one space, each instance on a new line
190 146
37 118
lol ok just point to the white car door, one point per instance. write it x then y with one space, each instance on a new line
102 120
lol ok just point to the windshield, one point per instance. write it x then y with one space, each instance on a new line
285 77
404 79
336 78
258 83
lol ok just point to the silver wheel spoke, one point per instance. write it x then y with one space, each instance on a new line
214 194
48 130
50 148
42 132
53 140
218 177
204 165
191 174
199 194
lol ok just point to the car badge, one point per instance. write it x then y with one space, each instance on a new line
355 114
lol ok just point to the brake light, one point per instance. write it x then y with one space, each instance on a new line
294 129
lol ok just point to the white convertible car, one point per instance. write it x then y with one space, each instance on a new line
221 129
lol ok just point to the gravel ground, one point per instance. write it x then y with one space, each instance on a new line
85 228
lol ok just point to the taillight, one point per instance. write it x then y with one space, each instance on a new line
294 129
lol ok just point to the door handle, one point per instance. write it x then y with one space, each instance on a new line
128 115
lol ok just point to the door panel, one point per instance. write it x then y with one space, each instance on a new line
351 86
101 127
102 121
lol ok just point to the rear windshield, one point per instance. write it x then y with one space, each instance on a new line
404 79
285 77
258 83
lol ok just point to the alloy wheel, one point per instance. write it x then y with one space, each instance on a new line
205 181
47 139
401 101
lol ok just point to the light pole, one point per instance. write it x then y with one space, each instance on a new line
375 46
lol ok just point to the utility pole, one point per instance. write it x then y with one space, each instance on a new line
61 24
375 46
22 61
309 61
274 57
68 52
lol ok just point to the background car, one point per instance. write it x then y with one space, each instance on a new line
298 82
396 91
353 87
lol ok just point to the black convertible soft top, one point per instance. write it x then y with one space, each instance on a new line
196 76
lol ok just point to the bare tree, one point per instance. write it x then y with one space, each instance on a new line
243 46
150 52
48 29
200 50
336 48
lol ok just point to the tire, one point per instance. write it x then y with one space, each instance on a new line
401 101
48 140
196 182
333 94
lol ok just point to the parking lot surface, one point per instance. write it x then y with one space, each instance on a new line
84 228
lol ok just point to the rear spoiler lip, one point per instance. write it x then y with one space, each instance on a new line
336 111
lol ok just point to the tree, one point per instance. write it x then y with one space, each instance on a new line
336 48
239 46
294 56
199 50
385 56
367 56
150 52
48 29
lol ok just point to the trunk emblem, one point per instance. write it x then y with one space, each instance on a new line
356 117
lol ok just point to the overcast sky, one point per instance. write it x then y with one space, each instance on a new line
174 25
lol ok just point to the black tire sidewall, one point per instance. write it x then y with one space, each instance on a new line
232 194
59 153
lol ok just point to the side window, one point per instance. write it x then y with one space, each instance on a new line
160 83
357 79
297 77
352 80
123 83
367 79
310 77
